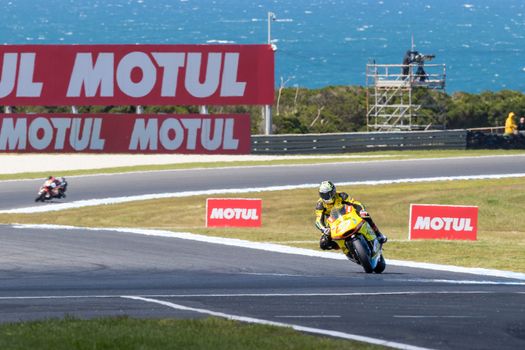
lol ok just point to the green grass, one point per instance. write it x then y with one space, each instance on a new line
129 333
386 155
288 217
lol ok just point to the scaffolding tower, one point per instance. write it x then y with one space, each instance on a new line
390 100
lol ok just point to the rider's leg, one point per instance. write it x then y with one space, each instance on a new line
381 238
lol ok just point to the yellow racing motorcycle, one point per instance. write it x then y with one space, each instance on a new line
356 238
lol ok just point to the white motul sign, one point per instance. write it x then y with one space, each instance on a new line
428 221
233 212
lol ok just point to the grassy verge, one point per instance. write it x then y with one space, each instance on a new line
357 157
288 218
129 333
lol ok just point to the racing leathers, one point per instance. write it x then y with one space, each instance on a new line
322 211
54 185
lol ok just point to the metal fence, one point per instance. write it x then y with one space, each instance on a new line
358 142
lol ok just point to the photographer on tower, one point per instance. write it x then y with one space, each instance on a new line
412 57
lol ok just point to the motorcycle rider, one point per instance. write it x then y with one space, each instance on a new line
330 197
54 184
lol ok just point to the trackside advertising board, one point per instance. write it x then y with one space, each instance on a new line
454 222
125 133
49 75
233 212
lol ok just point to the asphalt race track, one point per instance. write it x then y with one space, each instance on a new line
52 272
21 193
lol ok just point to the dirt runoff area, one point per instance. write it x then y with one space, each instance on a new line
22 163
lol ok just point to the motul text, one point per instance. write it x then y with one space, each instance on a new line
443 222
447 224
229 134
234 213
136 74
227 212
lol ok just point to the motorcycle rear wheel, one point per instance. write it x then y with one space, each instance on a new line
363 254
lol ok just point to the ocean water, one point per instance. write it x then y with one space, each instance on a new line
320 42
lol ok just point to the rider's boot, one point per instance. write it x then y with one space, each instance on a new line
381 238
326 243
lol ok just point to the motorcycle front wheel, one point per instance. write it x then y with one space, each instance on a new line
381 265
363 254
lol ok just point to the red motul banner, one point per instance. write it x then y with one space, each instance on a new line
228 212
136 75
125 133
429 221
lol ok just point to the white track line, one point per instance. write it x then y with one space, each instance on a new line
431 316
97 164
269 165
465 282
196 168
308 316
324 332
279 249
254 295
116 200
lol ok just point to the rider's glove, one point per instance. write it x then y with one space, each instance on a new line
364 214
326 231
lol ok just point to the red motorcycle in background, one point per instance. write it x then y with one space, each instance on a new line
52 188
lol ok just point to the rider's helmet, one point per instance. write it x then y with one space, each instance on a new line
327 192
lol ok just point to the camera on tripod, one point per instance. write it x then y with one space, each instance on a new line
421 58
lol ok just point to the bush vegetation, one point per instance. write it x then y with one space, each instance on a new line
343 109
